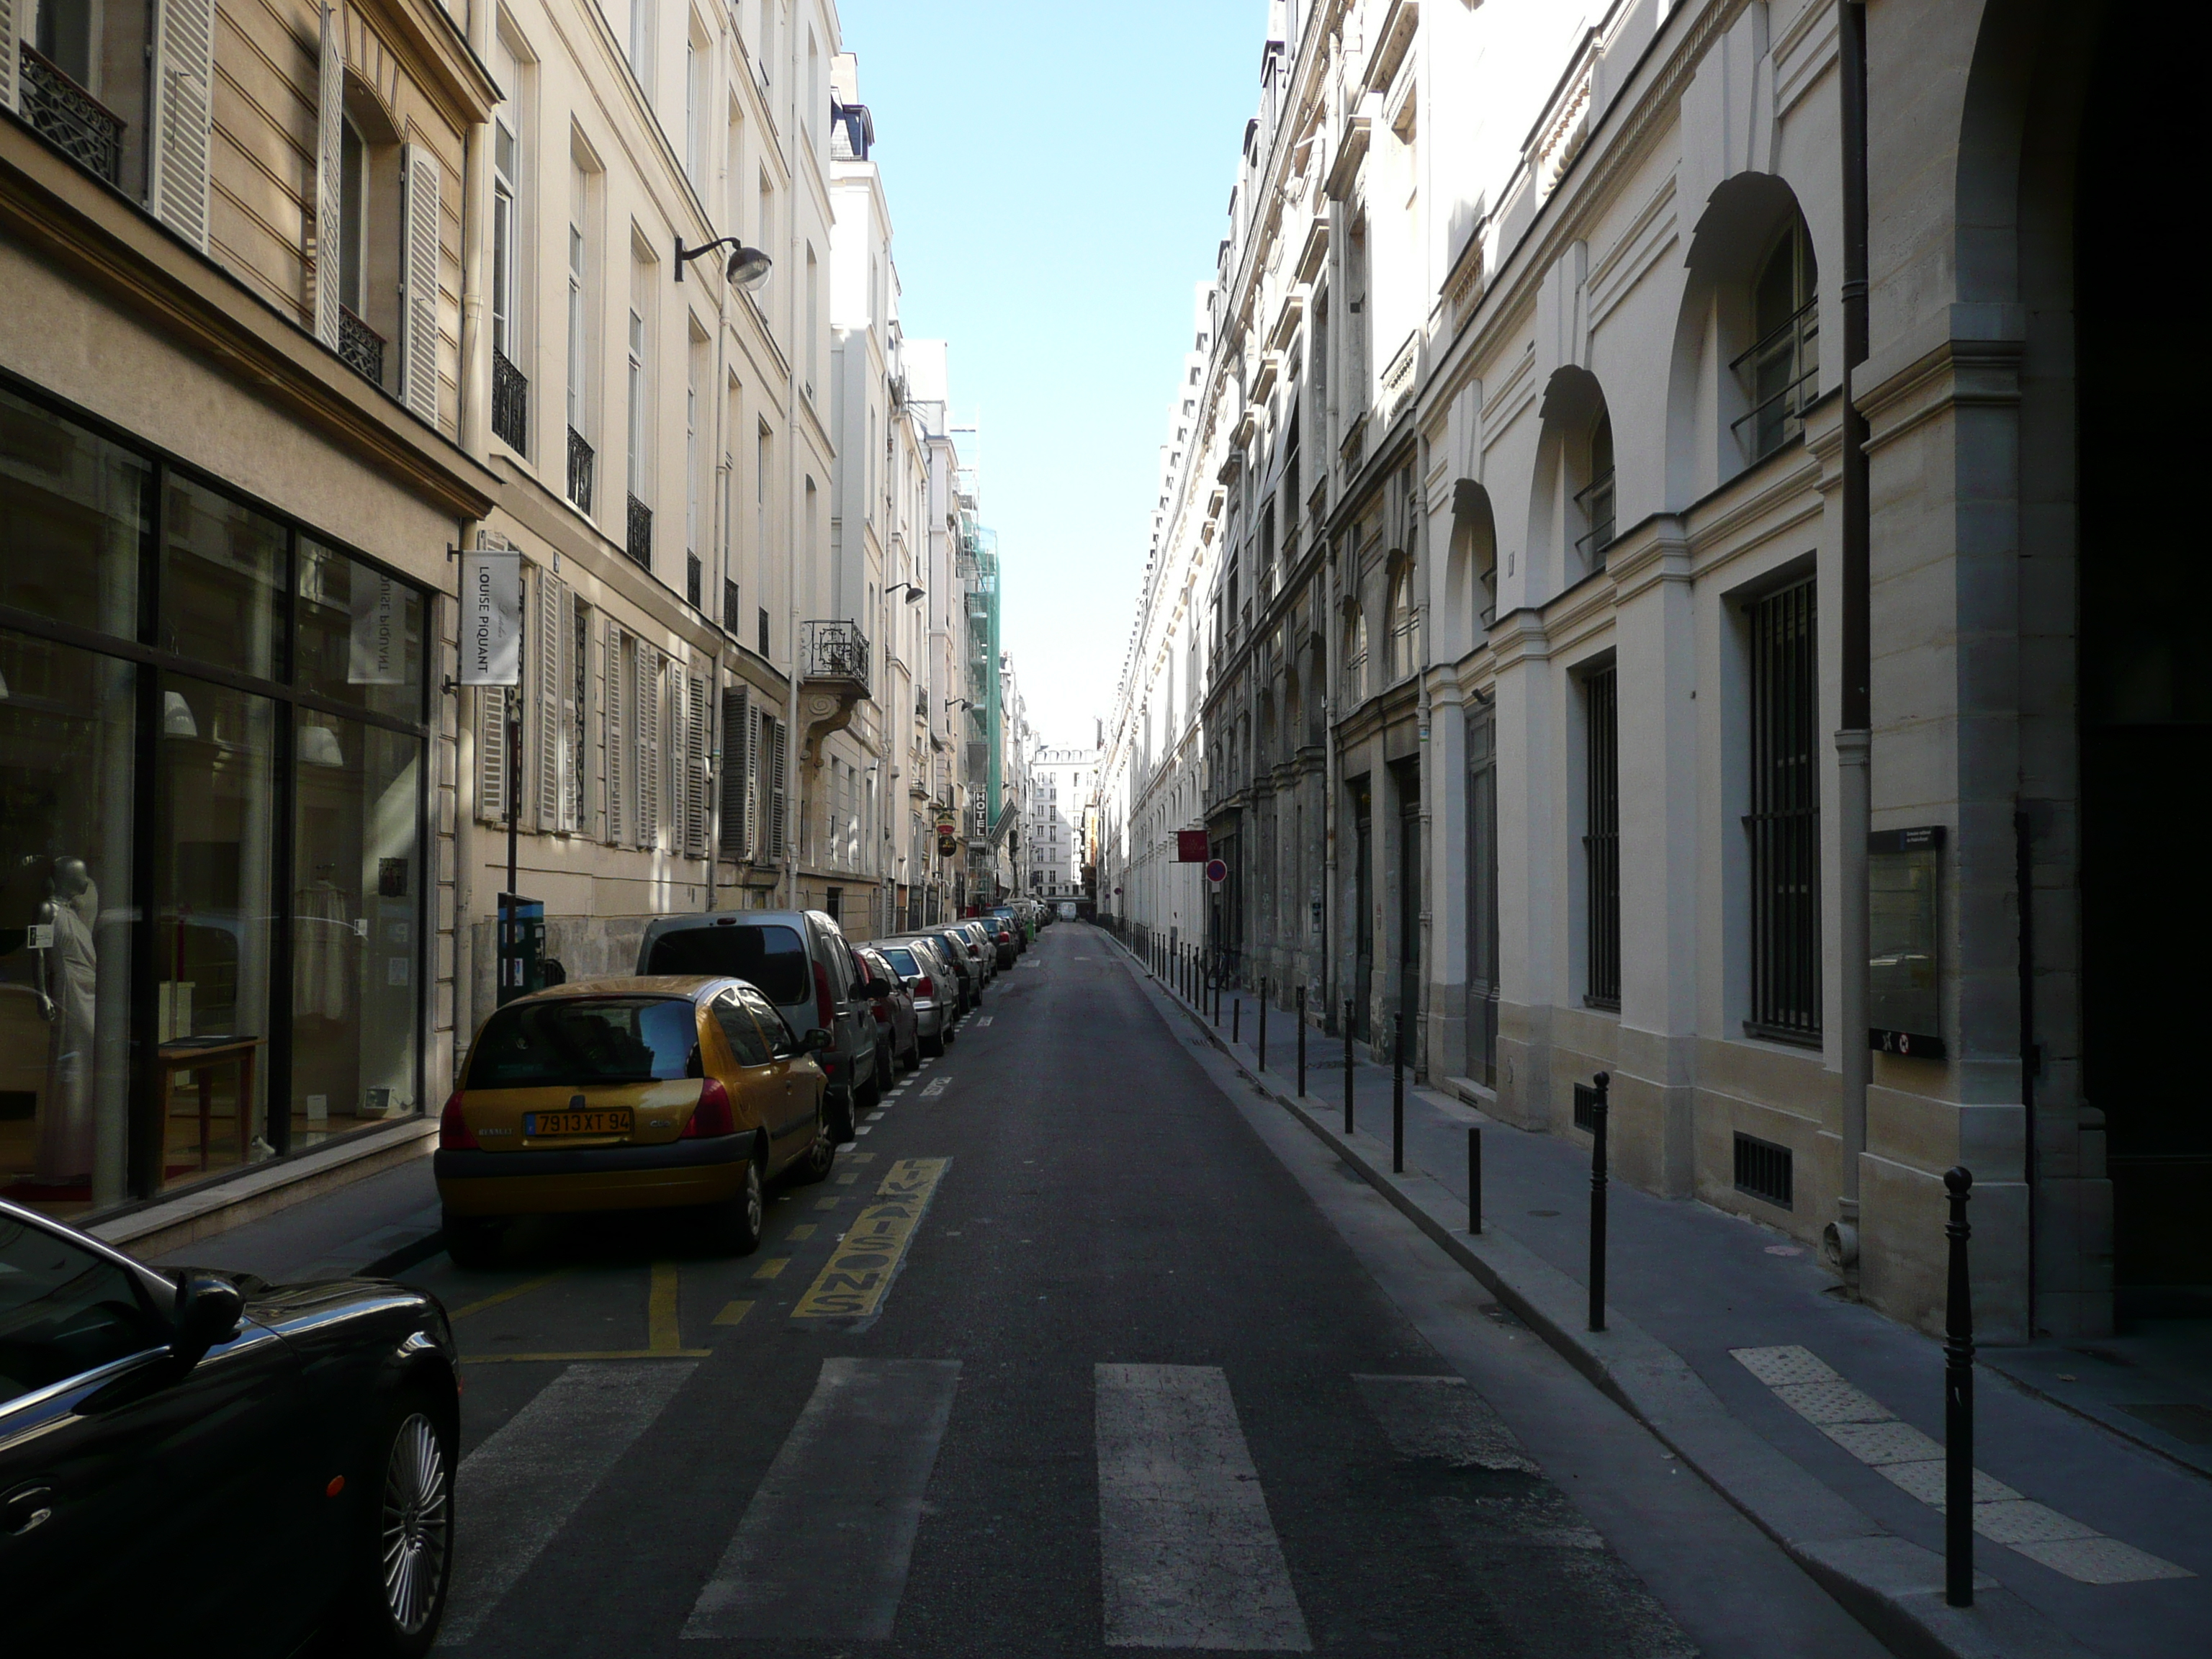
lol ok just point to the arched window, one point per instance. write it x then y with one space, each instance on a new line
1400 644
1594 498
1355 656
1781 371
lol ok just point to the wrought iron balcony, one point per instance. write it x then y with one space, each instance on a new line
579 472
70 117
834 651
1595 501
510 402
361 348
1782 375
639 546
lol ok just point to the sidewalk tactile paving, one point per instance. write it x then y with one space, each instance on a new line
2013 1519
1883 1443
1924 1480
1780 1367
2100 1560
1832 1402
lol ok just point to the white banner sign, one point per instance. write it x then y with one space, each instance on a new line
491 617
380 642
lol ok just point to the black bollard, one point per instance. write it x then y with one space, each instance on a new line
1598 1108
1348 1121
1398 1094
1959 1404
1216 977
1474 1177
1236 1019
1302 1043
1263 1024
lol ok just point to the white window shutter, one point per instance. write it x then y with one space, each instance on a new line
418 306
545 653
330 162
491 753
775 791
184 79
617 741
737 732
649 746
571 762
698 719
14 14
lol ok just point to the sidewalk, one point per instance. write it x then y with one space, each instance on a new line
1817 1417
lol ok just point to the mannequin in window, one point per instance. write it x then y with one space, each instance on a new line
69 974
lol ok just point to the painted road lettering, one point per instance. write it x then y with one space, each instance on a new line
937 1087
859 1271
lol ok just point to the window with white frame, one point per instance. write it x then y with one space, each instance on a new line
641 44
640 413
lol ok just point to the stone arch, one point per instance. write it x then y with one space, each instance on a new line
1713 418
1468 596
1570 517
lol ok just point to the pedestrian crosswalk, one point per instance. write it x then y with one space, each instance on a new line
1190 1555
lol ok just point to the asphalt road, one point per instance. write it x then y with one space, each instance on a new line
1081 1348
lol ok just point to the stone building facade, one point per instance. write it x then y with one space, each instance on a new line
1554 678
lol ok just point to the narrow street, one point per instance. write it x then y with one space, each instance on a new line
1146 1368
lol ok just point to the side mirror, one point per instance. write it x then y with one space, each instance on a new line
209 1310
817 1042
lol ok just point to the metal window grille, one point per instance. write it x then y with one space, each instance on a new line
733 615
510 402
1602 843
1784 820
1782 372
580 470
70 117
1586 1108
639 545
1595 499
1765 1171
361 348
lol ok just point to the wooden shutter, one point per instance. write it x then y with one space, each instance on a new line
418 296
775 791
568 716
546 655
617 738
491 753
697 718
184 83
330 162
737 774
646 717
13 14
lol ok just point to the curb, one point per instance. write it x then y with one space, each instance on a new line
1891 1585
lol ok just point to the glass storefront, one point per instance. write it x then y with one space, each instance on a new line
212 803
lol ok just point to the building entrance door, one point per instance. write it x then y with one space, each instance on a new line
1363 909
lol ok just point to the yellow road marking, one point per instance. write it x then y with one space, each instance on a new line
660 1329
825 1203
506 1295
774 1266
734 1314
860 1157
804 1230
860 1270
590 1353
846 1181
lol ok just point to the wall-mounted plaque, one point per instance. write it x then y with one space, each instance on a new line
1904 983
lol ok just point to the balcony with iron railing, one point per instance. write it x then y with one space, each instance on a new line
580 472
834 653
639 542
1595 499
361 348
1781 375
70 117
510 402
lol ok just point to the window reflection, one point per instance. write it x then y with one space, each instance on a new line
355 915
74 512
214 915
66 748
222 580
360 634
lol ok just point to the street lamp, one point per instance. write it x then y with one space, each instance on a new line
748 267
913 592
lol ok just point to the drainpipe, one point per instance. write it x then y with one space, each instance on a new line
1854 733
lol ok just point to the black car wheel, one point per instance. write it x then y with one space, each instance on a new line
821 1152
841 1116
934 1047
733 1226
872 1093
471 1240
406 1547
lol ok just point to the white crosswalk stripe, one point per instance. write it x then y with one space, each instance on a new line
822 1551
523 1484
1189 1557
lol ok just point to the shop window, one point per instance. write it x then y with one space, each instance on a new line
222 580
67 746
359 636
75 510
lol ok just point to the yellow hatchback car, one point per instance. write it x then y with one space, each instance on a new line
631 1094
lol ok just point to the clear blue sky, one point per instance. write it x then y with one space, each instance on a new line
1059 177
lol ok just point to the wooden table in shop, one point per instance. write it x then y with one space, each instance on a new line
202 1057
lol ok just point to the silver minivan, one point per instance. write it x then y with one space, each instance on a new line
799 960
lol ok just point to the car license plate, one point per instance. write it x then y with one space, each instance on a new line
612 1122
